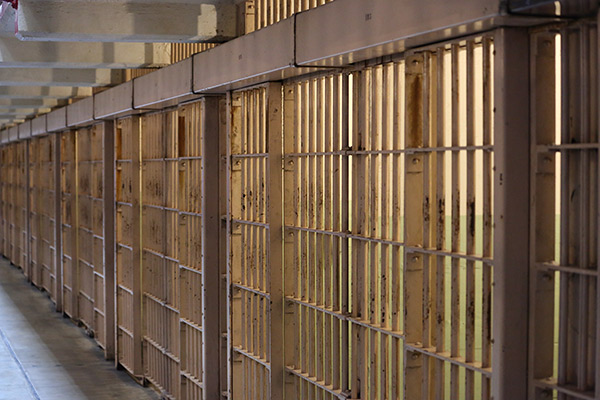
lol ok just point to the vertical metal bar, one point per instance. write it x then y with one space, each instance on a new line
511 211
486 290
440 220
223 253
74 199
358 382
344 227
229 229
584 205
470 245
594 193
596 90
27 267
275 243
211 277
329 267
563 331
58 265
136 203
289 214
108 198
386 268
543 98
413 225
455 237
398 141
372 288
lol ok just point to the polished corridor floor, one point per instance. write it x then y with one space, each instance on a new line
45 356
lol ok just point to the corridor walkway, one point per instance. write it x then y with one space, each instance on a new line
45 356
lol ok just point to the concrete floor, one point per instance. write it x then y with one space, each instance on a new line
45 356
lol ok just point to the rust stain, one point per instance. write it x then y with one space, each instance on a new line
472 218
414 111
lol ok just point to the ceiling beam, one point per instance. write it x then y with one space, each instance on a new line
11 112
17 53
29 103
126 21
5 121
43 92
59 77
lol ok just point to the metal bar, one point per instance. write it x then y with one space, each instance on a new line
415 130
411 150
245 288
596 97
273 108
136 202
235 273
27 267
511 211
74 199
440 220
457 361
470 209
575 270
250 223
211 278
564 214
247 156
584 206
358 378
455 237
346 318
344 227
108 197
338 394
252 357
289 252
58 265
565 390
567 147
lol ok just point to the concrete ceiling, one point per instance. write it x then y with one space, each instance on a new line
54 50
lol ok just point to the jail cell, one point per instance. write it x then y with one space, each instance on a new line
35 192
16 195
30 218
159 252
90 230
254 269
20 256
564 178
127 238
43 201
69 255
84 230
7 197
316 237
448 220
376 233
37 237
12 236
